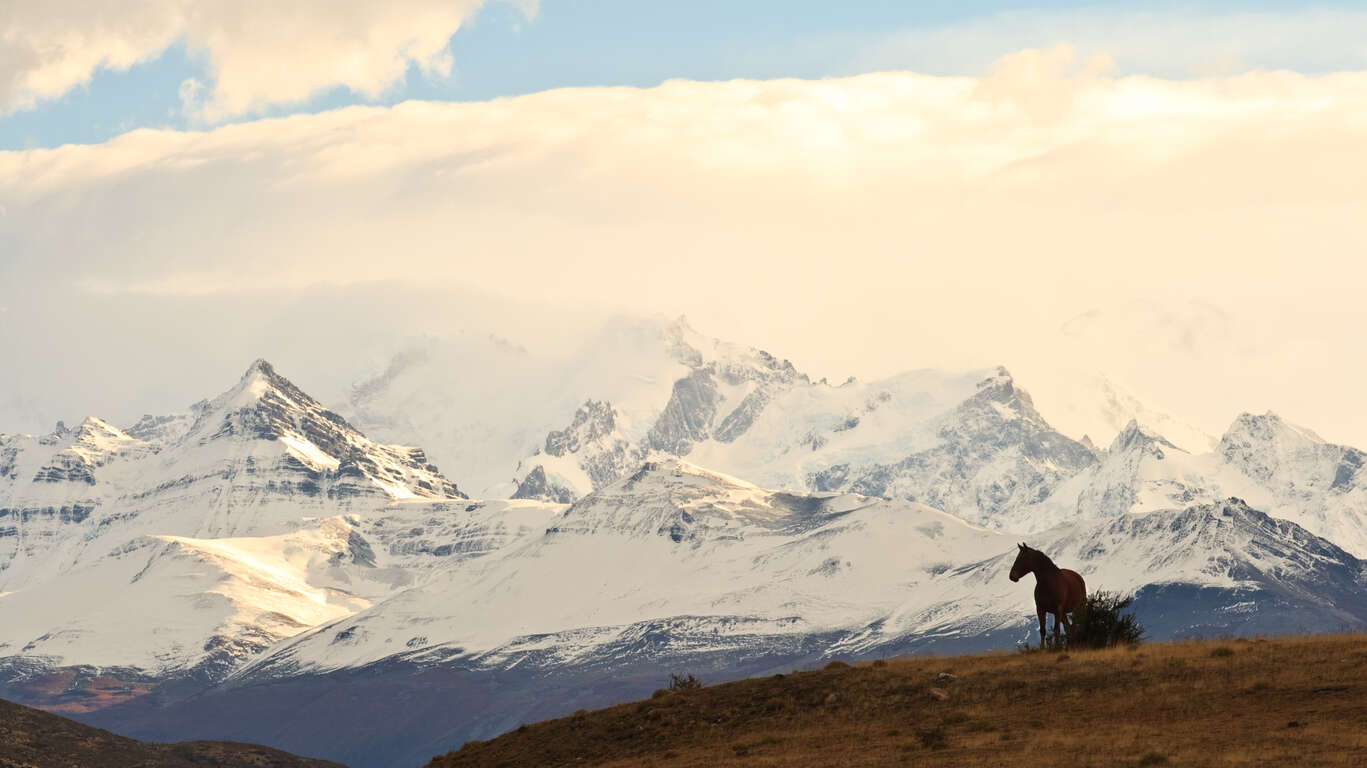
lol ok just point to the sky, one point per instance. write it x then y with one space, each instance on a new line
1169 195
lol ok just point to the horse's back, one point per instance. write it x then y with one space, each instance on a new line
1077 590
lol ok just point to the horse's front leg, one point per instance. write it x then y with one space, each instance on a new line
1042 634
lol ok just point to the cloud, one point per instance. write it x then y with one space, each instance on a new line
257 53
1164 42
859 225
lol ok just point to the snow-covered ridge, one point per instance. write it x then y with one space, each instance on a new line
671 540
215 534
970 443
1287 471
727 565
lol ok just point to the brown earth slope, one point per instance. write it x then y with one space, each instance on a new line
31 738
1285 701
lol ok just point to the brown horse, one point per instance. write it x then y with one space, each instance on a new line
1057 590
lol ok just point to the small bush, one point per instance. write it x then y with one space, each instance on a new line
837 665
932 738
1222 652
684 682
1102 623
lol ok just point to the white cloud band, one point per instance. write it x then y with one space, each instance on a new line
863 224
258 53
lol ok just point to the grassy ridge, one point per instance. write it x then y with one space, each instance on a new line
1284 701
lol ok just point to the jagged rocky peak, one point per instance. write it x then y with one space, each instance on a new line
538 485
1135 437
1284 456
1265 428
594 420
589 453
96 434
735 384
90 445
1011 401
266 406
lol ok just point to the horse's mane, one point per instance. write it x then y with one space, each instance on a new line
1043 563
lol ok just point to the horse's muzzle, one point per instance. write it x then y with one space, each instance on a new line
1014 577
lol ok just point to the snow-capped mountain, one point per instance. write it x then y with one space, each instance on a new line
993 453
970 443
191 542
664 502
1285 470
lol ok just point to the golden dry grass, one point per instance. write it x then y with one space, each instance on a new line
1286 701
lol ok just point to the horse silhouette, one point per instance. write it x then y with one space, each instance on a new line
1057 590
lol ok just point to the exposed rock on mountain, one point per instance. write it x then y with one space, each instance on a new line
993 454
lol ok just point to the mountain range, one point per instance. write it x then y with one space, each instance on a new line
262 567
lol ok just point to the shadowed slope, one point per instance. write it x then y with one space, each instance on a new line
31 737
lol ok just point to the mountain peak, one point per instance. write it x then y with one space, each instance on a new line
266 407
1009 400
1135 436
999 377
1266 427
259 378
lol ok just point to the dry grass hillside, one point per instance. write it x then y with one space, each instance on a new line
1283 701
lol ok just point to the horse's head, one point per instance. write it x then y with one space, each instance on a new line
1025 562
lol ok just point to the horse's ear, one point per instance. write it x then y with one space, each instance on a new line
1021 545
